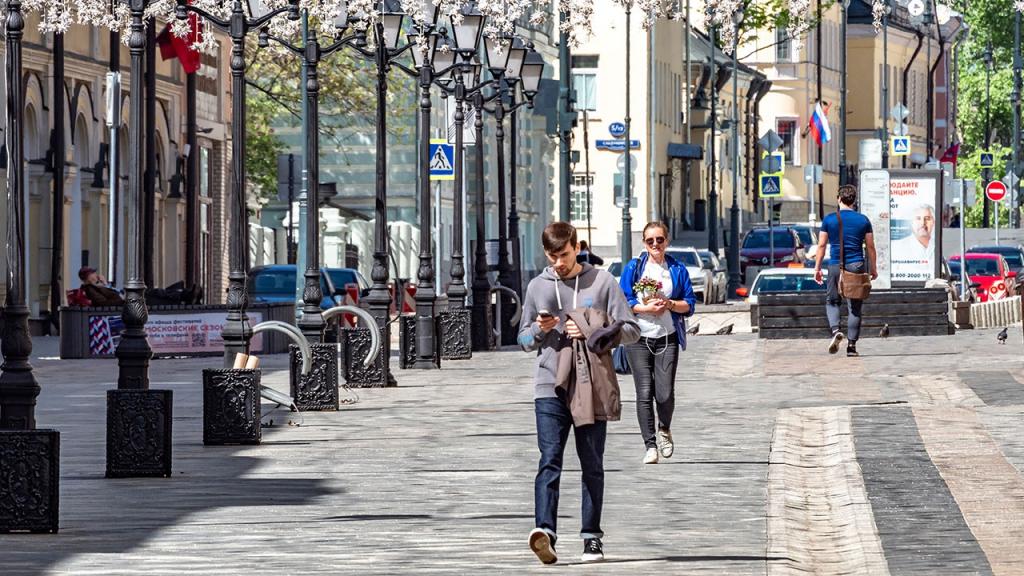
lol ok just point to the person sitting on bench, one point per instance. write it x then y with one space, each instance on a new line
98 291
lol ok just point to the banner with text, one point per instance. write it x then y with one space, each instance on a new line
914 245
170 334
874 203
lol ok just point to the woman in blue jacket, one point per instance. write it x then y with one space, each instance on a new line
661 316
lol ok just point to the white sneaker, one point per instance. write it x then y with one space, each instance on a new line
543 546
837 339
665 446
651 456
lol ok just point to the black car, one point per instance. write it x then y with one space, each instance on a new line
1014 255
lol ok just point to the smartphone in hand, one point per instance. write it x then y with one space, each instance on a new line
545 314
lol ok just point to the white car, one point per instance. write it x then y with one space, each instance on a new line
772 280
700 278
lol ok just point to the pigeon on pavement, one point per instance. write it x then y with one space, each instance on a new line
1002 336
694 329
884 332
727 329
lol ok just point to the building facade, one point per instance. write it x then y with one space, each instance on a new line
85 239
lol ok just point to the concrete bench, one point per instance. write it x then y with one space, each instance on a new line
174 331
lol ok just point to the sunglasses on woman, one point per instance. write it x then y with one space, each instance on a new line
659 239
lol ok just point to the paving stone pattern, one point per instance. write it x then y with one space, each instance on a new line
788 461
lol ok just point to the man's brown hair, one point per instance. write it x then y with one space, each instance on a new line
556 235
848 194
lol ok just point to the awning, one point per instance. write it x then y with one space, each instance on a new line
685 151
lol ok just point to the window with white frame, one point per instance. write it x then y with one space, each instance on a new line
584 81
581 196
786 129
783 46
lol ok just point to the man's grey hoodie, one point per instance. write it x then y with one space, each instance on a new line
592 288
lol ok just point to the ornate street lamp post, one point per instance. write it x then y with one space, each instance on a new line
29 458
237 331
317 390
499 51
138 419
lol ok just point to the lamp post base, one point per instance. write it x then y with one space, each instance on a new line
455 335
317 390
407 345
30 459
231 407
139 433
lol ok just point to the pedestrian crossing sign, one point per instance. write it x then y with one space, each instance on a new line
771 186
442 160
987 160
899 145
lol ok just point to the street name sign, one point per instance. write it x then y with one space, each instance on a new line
617 145
995 191
442 160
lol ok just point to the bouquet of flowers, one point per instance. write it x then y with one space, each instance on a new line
646 288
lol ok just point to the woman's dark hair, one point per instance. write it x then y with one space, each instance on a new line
655 224
848 194
556 235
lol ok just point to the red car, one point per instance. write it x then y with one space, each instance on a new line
992 273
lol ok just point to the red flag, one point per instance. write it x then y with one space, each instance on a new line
172 46
951 153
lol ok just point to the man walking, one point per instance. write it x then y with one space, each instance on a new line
850 245
562 287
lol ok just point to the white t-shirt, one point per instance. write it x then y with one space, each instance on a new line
657 325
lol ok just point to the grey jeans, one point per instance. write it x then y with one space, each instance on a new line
653 363
833 300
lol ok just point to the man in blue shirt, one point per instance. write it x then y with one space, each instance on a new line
857 238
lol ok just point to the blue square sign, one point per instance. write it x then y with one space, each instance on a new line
442 160
771 186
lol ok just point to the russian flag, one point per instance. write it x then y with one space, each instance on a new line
819 125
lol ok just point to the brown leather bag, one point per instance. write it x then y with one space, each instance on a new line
851 285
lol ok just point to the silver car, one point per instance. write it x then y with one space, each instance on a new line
700 278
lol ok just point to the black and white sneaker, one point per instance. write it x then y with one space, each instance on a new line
593 550
851 350
543 545
837 339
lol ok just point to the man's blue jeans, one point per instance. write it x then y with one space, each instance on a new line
553 423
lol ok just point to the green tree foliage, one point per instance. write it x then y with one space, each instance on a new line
347 100
989 21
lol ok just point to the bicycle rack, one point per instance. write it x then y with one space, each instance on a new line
514 321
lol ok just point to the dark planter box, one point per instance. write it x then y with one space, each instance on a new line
139 433
355 346
29 480
317 390
231 407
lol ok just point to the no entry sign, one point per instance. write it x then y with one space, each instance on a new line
995 190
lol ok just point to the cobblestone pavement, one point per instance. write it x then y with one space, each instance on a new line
906 460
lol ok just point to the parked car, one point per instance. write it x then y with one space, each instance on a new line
276 283
700 278
719 276
774 280
952 276
1014 255
756 249
808 234
614 268
993 275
